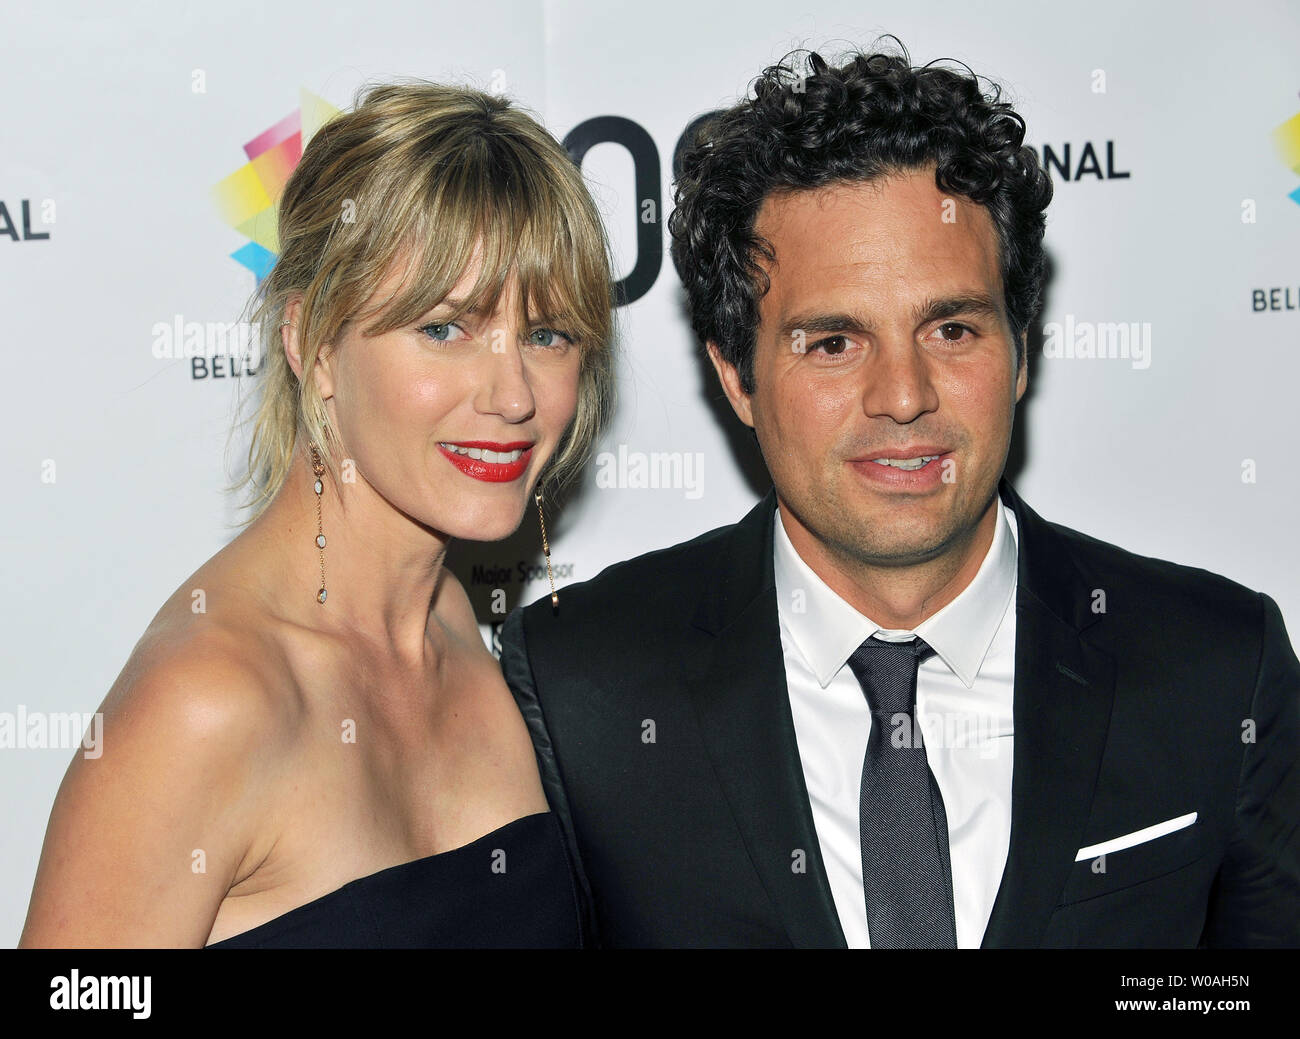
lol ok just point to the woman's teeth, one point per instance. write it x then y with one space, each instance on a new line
484 455
906 463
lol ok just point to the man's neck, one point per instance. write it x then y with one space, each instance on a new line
896 597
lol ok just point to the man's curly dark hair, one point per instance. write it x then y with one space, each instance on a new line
873 116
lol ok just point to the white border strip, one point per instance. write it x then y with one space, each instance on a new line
1136 837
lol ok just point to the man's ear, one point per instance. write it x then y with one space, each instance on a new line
730 379
1022 376
292 342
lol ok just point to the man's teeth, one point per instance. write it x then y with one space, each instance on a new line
906 463
483 454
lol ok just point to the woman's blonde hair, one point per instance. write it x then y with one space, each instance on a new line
426 174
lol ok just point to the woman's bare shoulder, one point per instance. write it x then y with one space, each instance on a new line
211 674
211 651
146 838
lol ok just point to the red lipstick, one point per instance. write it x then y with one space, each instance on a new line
498 471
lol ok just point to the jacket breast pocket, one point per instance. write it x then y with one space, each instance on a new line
1115 870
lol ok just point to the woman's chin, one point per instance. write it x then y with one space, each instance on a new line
478 524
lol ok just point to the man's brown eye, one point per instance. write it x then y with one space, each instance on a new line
960 330
833 345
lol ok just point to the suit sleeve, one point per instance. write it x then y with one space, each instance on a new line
1256 897
518 671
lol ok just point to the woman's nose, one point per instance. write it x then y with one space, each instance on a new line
505 390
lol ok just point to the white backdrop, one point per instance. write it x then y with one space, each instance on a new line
119 126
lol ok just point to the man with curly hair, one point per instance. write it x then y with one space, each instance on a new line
892 707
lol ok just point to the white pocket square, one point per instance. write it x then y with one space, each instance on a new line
1150 833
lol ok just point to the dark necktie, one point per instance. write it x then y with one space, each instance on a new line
906 873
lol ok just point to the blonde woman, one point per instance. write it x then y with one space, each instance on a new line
328 755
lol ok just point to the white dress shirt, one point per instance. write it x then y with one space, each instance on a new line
964 712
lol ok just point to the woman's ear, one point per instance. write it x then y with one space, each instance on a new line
292 342
289 335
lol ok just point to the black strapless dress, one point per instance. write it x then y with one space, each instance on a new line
511 888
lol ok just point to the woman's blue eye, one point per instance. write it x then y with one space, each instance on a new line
549 337
440 332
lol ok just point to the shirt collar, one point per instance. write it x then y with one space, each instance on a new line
827 629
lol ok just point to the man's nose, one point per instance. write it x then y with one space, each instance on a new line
897 380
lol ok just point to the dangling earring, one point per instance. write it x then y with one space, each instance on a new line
319 470
555 599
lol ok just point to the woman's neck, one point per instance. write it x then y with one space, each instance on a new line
381 567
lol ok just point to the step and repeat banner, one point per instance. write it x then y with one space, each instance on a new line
144 148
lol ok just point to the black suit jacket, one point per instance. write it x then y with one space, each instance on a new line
657 702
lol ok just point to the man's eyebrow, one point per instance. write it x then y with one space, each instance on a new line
974 304
817 323
933 309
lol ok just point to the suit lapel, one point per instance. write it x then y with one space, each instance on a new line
1061 712
743 707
